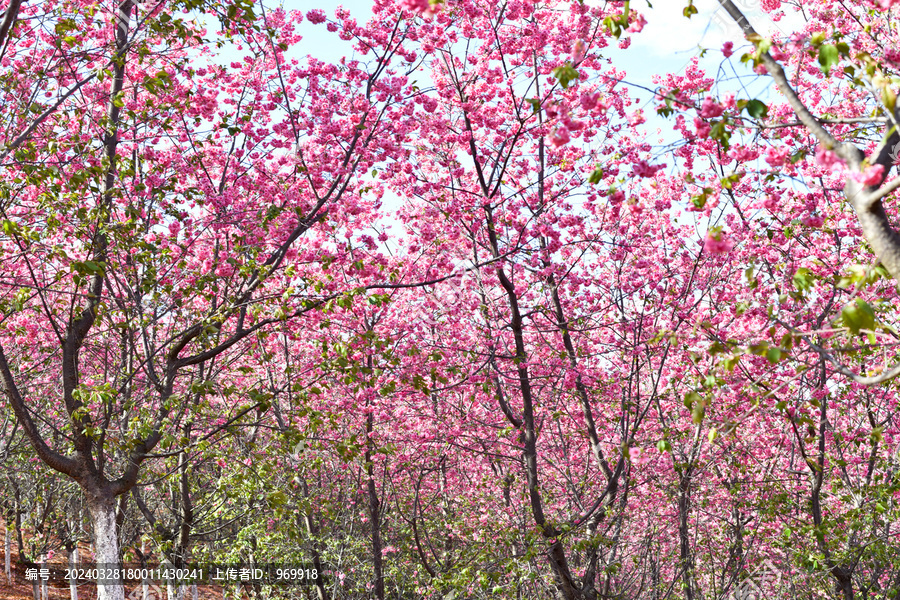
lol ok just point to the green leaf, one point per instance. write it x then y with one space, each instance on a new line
698 412
596 176
717 348
9 227
857 276
858 315
787 341
535 104
889 98
773 355
720 132
728 182
565 75
613 26
759 349
277 498
828 57
803 279
732 361
757 109
692 398
88 267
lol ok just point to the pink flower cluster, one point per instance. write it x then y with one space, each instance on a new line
829 159
562 133
422 7
871 176
716 243
710 109
637 24
643 169
776 157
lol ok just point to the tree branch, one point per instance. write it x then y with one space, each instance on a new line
865 200
52 458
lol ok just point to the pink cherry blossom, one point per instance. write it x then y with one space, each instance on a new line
871 176
637 24
711 109
560 137
717 244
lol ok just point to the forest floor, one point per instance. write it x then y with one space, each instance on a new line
21 589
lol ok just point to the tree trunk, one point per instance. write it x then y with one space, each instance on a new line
374 515
844 585
106 545
145 583
20 543
686 555
175 590
7 553
313 531
73 563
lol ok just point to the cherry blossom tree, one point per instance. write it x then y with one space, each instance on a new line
439 316
152 211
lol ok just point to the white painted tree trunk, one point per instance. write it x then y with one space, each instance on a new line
73 583
8 549
43 581
145 583
106 548
175 591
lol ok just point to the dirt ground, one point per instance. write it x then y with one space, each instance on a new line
21 589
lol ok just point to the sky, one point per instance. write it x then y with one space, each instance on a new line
667 44
670 41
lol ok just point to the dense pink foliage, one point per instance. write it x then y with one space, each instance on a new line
444 299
